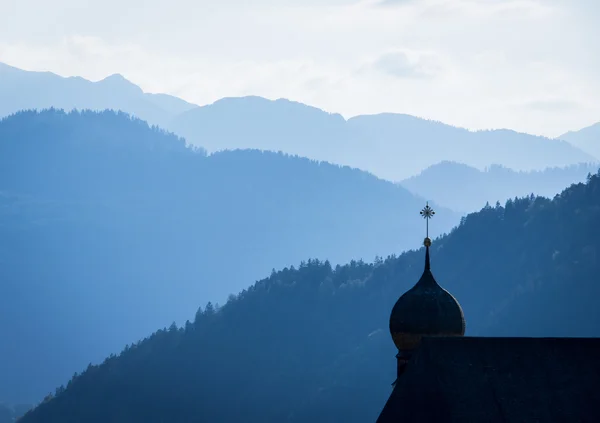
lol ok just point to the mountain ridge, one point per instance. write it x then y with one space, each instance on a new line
391 146
41 90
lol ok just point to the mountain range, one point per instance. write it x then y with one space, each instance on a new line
391 146
111 228
311 343
464 188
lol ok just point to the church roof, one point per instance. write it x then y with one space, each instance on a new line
425 309
467 379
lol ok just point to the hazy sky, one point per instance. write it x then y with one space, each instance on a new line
530 65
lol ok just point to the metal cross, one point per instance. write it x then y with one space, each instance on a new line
427 214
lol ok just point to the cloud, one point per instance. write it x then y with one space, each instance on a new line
553 105
394 2
397 64
481 8
472 63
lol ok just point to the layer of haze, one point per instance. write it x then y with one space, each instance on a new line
529 65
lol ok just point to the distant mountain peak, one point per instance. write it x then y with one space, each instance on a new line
592 127
117 80
241 99
263 105
587 139
115 77
256 99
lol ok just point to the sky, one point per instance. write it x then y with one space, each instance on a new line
528 65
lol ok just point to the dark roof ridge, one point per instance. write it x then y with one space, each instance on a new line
498 379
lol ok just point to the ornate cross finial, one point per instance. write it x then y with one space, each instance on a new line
427 214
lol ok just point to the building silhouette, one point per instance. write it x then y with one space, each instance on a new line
443 376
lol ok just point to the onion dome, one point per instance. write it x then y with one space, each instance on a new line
426 309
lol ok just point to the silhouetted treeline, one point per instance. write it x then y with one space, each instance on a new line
311 343
110 228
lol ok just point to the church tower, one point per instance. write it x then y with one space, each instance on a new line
426 309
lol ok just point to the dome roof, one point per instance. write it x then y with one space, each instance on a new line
426 309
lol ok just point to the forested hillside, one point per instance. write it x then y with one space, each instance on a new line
110 229
464 188
311 344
